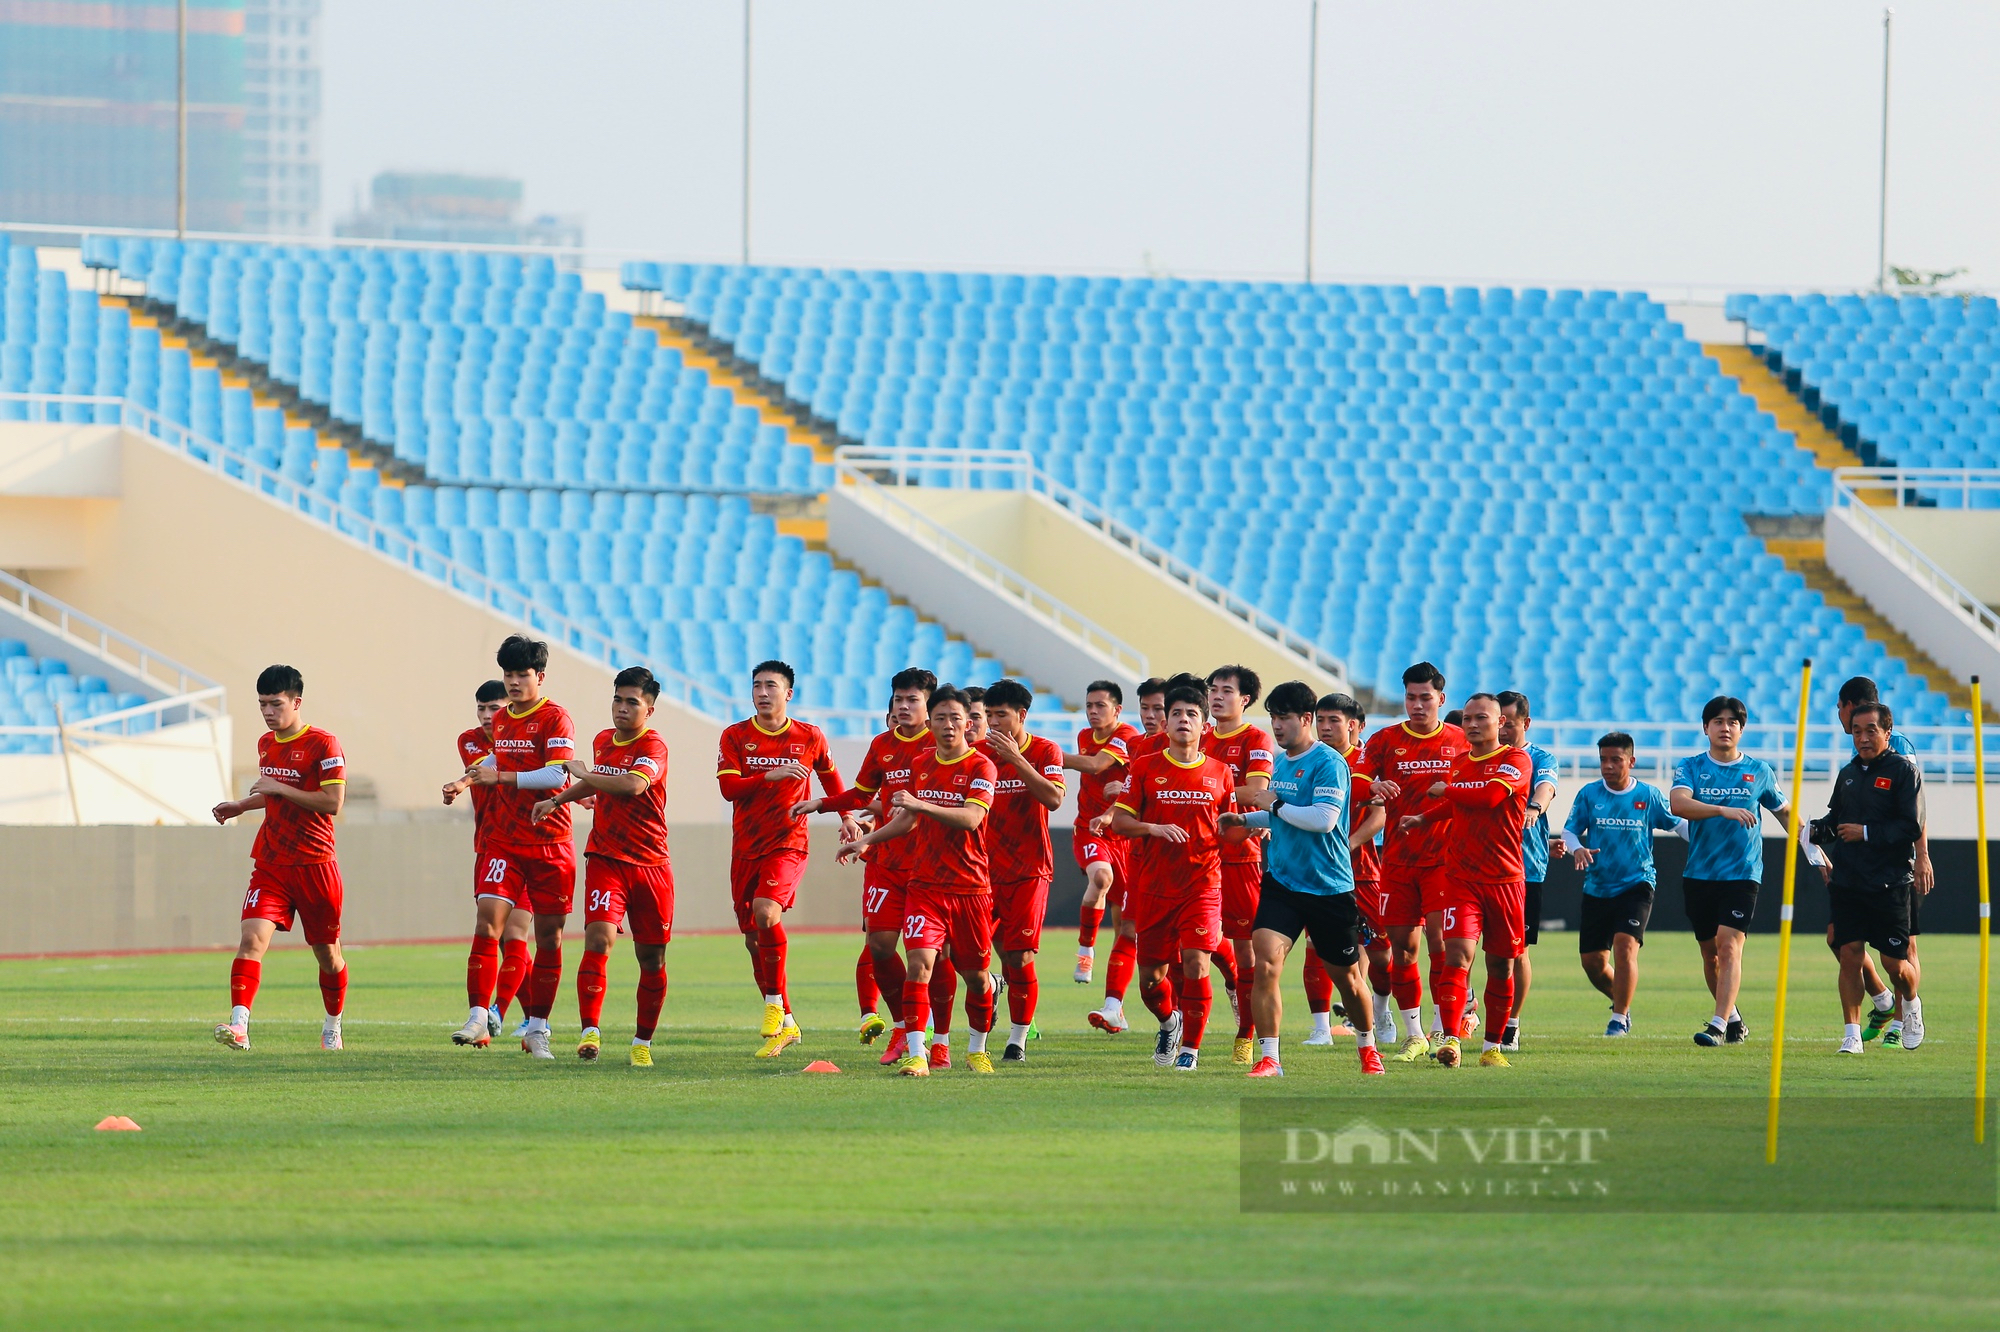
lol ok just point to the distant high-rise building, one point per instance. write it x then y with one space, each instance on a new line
440 208
281 125
87 113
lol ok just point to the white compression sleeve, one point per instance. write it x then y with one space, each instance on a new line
551 778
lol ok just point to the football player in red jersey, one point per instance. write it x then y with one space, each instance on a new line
1174 798
949 899
1248 749
764 766
1338 720
1124 959
301 785
499 964
525 863
627 872
1020 859
885 770
1404 761
944 972
1101 754
1481 809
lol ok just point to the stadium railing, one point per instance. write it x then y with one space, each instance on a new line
964 469
1943 752
1851 486
978 565
101 640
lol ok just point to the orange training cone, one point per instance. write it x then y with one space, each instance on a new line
822 1066
116 1124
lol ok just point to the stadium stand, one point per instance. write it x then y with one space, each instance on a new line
600 476
32 687
1502 470
1905 381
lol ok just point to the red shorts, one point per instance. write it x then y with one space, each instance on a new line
615 889
1490 911
1242 883
1368 896
545 885
881 898
1407 894
1173 927
775 876
1098 849
1018 909
961 921
312 893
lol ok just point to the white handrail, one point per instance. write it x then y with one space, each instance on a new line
199 705
978 564
362 530
962 464
39 606
1926 572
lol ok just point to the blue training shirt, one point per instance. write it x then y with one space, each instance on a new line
1309 862
1721 848
1535 836
1618 826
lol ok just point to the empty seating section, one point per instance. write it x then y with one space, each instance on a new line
1540 490
1911 381
558 392
493 369
32 688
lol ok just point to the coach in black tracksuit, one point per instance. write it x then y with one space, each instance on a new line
1870 833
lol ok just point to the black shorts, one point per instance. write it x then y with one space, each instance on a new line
1331 920
1716 902
1622 913
1879 918
1531 914
1916 913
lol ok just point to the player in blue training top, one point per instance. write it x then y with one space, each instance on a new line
1514 723
1722 794
1308 883
1609 836
1885 1011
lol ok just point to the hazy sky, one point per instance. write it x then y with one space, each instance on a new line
1712 142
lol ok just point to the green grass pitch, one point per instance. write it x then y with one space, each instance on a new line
405 1183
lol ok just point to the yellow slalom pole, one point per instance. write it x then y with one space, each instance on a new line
1785 915
1985 912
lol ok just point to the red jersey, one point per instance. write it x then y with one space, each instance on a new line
473 746
1413 762
1162 789
1484 808
1017 831
1156 743
763 822
949 860
541 737
1090 798
1367 861
1245 750
631 828
307 759
885 770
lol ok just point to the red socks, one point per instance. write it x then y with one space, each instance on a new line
1403 984
1499 999
1199 994
1086 930
890 974
1119 968
1319 985
652 998
865 988
333 991
771 957
1223 964
1023 992
979 1005
482 972
545 981
916 1005
1157 997
515 969
244 977
944 993
1450 988
590 987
